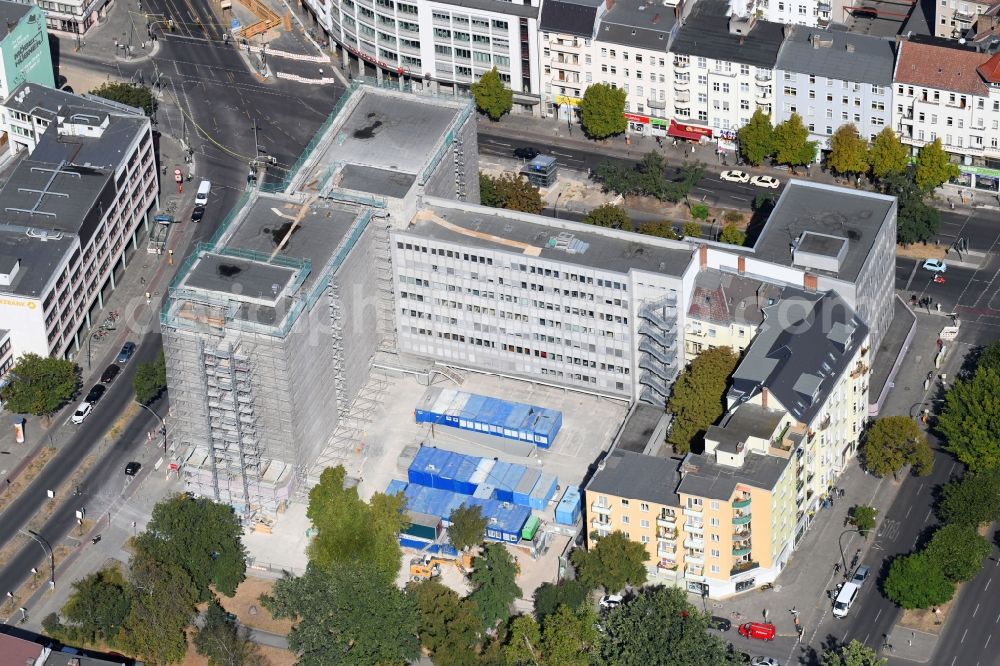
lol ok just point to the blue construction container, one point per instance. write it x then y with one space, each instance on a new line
500 469
506 486
522 493
483 471
543 491
445 479
568 509
463 477
505 520
395 486
526 423
427 465
485 491
426 546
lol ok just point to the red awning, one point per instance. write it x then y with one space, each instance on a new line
689 132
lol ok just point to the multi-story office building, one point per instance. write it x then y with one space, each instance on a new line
726 64
24 48
566 32
951 92
73 212
6 353
441 43
75 17
954 18
831 78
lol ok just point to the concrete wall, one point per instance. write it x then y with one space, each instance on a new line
442 181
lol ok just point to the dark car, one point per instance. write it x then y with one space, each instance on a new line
110 373
197 213
126 353
132 468
525 153
720 623
96 391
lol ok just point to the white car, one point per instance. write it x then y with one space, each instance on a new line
735 176
935 265
770 182
764 661
82 412
609 601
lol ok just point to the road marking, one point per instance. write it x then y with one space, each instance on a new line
988 640
963 635
975 611
561 154
987 584
877 615
913 274
951 469
927 517
996 620
910 509
499 143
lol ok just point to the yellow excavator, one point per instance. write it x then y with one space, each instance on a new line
428 566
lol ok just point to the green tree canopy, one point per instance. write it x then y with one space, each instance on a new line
660 627
224 642
601 111
511 191
848 151
162 607
792 144
971 501
895 441
887 155
616 177
970 420
916 581
915 220
352 531
989 356
567 592
854 653
492 97
568 636
660 229
347 615
494 585
958 551
524 644
468 526
150 380
97 608
691 229
40 385
934 167
201 537
138 96
756 138
699 211
448 625
733 235
863 517
609 215
696 400
612 564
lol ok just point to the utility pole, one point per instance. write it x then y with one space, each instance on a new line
47 549
163 428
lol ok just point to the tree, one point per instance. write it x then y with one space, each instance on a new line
568 636
150 380
447 624
895 441
352 531
972 501
863 517
792 144
934 167
660 627
916 581
756 138
854 653
887 155
467 527
524 645
494 587
98 606
613 563
970 420
699 211
989 356
224 642
615 177
201 537
162 607
733 235
608 215
915 220
347 615
40 385
691 230
492 97
510 191
696 400
848 151
602 111
138 96
567 592
958 551
660 229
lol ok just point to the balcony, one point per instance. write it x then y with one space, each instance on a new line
681 85
599 524
694 569
741 520
743 567
695 558
742 534
600 509
682 97
667 548
694 511
694 528
741 552
721 72
765 107
763 96
656 103
681 63
763 76
741 503
694 543
666 521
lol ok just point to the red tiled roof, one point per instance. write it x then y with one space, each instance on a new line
990 70
17 650
941 67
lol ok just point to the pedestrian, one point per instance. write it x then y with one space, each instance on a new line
841 492
794 612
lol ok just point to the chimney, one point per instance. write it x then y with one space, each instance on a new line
809 282
850 48
702 256
763 397
741 265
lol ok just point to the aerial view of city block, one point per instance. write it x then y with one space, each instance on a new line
499 333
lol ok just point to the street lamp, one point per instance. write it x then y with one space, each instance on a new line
48 551
555 207
840 542
163 425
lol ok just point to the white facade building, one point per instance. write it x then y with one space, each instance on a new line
566 34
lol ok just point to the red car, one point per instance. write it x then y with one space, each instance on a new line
760 630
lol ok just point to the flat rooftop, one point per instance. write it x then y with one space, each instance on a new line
640 428
382 182
243 279
824 209
497 229
704 477
39 258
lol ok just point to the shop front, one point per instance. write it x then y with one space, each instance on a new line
980 178
688 132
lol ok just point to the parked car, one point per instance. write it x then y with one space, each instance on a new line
132 468
735 176
609 601
96 391
126 353
197 213
110 373
769 182
936 265
82 412
762 631
764 661
861 575
525 153
720 623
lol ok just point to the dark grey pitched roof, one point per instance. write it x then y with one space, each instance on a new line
637 476
800 352
706 33
703 477
570 18
845 56
11 14
637 23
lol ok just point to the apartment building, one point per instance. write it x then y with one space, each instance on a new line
74 17
726 310
24 47
75 208
831 78
566 33
812 13
446 44
954 18
726 65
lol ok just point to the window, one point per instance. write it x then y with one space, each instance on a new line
714 505
714 522
644 523
790 91
624 502
715 552
643 539
714 537
702 63
625 520
643 506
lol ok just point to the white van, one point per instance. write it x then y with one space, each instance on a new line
204 188
845 599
